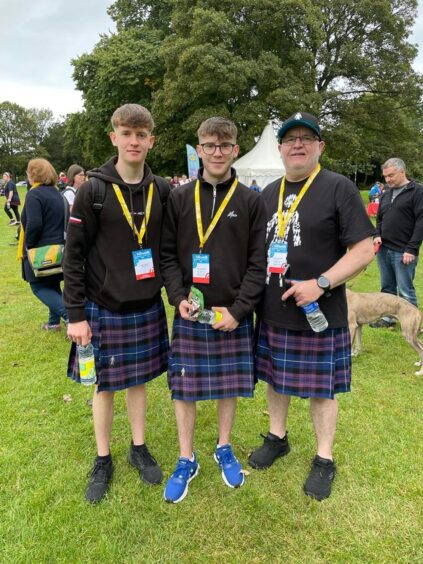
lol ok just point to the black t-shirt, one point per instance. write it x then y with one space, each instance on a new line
330 217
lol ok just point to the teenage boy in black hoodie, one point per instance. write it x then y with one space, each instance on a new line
213 237
112 290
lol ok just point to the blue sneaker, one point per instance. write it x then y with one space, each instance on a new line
177 485
231 468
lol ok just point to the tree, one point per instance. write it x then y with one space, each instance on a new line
347 61
18 137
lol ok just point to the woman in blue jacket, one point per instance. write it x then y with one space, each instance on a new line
43 224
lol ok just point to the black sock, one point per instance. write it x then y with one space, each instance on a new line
275 437
104 459
137 447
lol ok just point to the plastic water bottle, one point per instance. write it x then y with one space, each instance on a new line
315 317
86 361
209 316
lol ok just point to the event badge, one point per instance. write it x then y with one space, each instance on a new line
201 268
143 263
277 261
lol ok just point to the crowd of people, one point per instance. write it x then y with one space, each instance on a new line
272 252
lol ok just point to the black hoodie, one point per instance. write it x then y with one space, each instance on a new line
236 246
98 261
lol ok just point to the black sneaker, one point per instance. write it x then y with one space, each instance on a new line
319 481
140 457
382 323
272 448
99 482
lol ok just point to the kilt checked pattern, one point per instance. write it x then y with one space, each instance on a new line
208 364
129 348
304 363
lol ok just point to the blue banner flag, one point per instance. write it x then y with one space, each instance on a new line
193 161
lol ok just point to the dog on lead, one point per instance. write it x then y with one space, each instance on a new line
367 307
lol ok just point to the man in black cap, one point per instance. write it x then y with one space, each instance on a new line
314 216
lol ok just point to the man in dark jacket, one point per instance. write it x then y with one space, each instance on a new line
12 199
213 237
113 290
399 226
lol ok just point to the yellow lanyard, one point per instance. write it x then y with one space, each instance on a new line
284 222
140 234
22 232
201 235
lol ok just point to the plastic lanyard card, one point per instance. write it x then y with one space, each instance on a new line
201 268
277 260
143 264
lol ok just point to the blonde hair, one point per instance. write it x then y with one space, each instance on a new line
133 115
40 170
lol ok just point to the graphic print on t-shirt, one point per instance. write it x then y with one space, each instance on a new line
272 231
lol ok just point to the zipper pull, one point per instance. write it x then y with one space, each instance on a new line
214 201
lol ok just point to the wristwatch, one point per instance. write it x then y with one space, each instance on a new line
323 283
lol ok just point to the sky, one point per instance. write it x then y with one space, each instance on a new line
40 37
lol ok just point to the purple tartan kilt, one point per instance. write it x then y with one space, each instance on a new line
129 348
205 363
304 363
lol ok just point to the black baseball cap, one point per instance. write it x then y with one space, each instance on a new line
300 118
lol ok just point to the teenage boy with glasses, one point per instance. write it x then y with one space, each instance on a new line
219 222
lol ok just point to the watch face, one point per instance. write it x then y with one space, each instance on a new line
323 283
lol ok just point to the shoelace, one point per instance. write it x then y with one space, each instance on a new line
98 471
226 456
147 458
182 470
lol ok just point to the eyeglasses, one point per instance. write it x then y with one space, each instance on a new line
304 139
225 148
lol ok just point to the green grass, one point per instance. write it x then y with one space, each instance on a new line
46 448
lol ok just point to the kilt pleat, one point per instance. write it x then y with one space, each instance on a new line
129 348
205 363
304 363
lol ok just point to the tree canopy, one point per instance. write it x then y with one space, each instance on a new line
348 62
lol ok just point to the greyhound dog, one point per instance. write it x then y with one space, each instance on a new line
367 307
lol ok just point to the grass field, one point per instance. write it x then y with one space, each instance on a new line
46 449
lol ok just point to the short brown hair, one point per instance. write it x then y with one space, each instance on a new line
40 170
132 115
221 127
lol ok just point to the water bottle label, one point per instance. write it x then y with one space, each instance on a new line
310 307
87 370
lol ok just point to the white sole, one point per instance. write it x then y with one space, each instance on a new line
224 477
184 494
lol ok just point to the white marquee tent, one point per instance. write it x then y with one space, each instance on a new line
263 163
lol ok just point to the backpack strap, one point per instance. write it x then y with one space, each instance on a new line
99 193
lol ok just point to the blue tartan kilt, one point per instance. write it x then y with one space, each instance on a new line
304 363
205 363
129 348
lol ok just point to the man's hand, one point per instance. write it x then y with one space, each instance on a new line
80 333
185 309
408 258
227 323
304 292
8 205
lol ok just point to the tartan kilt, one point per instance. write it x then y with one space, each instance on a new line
304 363
205 363
129 348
